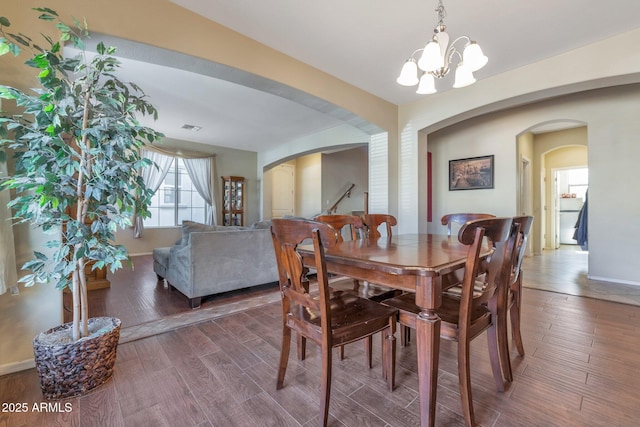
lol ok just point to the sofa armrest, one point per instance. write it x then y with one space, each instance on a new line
179 273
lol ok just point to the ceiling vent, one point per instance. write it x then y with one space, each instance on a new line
193 128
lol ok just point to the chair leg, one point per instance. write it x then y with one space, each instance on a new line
341 352
301 343
503 347
464 379
515 312
325 389
368 346
389 356
284 356
405 335
495 357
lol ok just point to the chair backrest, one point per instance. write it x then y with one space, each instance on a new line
502 235
339 222
521 244
373 221
298 306
461 218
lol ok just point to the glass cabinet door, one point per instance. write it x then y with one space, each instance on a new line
233 200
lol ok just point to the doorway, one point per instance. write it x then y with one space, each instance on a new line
570 194
283 190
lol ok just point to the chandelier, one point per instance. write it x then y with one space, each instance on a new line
437 58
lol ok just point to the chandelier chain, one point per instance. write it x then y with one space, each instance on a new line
441 13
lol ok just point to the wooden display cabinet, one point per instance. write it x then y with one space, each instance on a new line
233 200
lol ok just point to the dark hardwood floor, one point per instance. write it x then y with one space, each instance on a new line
581 369
136 296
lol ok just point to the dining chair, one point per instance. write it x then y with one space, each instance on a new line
352 224
515 284
354 227
466 316
460 218
372 222
329 319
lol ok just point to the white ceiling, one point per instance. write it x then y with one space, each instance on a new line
365 43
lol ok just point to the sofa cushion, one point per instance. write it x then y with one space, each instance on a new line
189 227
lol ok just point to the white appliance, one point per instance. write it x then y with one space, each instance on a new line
569 212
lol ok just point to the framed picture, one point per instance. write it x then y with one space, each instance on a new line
471 174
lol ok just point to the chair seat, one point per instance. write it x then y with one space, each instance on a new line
448 313
455 291
352 317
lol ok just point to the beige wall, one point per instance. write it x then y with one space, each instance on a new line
612 134
338 169
308 185
320 177
473 138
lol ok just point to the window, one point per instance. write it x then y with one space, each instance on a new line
176 199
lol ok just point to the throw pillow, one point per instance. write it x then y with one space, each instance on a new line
190 226
261 224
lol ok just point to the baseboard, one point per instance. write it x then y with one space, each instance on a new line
10 368
140 254
610 280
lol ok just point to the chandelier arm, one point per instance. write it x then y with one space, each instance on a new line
452 50
450 53
412 56
460 38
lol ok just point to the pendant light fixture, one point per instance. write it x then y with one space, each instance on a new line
437 58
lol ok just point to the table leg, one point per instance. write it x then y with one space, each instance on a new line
428 345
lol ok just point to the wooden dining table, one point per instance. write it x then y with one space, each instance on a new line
409 262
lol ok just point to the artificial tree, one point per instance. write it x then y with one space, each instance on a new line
76 147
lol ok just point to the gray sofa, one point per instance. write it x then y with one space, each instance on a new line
208 260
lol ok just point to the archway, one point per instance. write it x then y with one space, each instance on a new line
541 149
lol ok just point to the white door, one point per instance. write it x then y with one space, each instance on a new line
282 191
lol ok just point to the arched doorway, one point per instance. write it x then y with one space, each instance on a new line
541 149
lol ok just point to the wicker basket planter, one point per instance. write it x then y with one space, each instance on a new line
72 368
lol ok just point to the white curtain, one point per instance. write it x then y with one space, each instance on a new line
8 273
153 177
201 172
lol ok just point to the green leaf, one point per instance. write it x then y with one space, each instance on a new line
15 49
6 93
19 40
4 22
63 27
46 17
4 48
45 10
